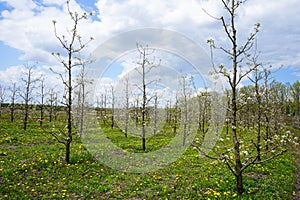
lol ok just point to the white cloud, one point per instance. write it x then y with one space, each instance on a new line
15 74
11 74
297 74
279 36
28 26
20 5
51 2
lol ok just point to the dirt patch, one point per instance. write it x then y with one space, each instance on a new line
255 175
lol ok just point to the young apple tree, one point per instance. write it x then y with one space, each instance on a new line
42 95
52 104
2 97
127 105
28 82
258 97
72 45
113 102
144 66
237 153
14 89
81 83
185 105
234 75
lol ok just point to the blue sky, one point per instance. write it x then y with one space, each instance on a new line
10 56
26 31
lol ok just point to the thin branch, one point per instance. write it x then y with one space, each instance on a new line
272 157
56 137
227 7
226 29
205 154
216 18
226 51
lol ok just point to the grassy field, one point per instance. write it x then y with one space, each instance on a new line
32 167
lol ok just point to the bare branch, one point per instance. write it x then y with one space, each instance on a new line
225 26
216 18
57 138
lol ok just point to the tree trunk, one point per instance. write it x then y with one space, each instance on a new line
25 117
112 107
239 183
50 114
234 83
258 145
12 110
259 113
144 123
69 105
42 116
155 114
144 103
267 132
68 151
144 143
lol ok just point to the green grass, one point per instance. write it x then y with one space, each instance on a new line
134 143
32 167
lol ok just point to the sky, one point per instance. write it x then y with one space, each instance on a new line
27 36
